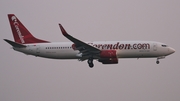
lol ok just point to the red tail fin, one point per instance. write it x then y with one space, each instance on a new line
20 33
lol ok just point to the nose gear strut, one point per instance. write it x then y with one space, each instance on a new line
157 61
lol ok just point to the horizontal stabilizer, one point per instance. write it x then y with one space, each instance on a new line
14 44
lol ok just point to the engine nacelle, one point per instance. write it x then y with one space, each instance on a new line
109 60
108 54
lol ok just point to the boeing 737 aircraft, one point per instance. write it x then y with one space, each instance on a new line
106 52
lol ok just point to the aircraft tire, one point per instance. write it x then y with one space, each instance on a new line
157 62
91 65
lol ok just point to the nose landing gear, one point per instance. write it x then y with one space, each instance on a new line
157 61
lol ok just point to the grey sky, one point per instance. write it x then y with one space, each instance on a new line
29 78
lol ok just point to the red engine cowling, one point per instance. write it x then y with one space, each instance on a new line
108 57
108 54
109 60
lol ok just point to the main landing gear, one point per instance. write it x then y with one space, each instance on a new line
90 62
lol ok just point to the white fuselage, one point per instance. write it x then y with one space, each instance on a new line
124 49
106 52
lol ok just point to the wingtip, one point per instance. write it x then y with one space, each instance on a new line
63 30
10 14
5 40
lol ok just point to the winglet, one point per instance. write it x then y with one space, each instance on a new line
63 30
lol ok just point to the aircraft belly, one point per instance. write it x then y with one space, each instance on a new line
135 54
60 54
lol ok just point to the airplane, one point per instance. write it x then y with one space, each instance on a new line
106 52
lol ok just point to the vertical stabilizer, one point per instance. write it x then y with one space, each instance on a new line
20 33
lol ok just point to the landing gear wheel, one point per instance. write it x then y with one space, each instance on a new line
91 65
90 62
157 62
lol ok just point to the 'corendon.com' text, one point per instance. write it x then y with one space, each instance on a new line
121 46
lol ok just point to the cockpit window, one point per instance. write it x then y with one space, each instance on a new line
164 45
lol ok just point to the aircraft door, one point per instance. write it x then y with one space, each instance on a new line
37 49
155 47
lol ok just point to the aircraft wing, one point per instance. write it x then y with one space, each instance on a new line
84 48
